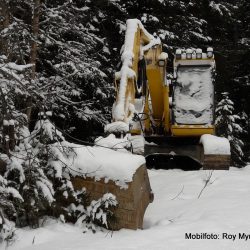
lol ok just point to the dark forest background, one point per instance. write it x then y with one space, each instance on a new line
77 49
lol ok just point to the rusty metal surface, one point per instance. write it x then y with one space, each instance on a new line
132 201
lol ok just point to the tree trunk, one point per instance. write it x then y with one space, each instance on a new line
4 12
34 48
35 30
6 139
12 142
28 108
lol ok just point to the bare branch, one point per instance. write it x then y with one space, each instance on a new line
207 182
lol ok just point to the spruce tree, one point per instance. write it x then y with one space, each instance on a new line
228 125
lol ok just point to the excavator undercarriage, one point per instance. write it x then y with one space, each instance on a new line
181 153
171 153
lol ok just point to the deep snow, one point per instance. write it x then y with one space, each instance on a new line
223 207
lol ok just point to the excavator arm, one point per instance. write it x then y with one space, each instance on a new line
141 59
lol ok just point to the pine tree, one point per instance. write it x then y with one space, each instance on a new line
229 126
8 197
71 66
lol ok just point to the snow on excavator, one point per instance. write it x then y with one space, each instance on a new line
174 120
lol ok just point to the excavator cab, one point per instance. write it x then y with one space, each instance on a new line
193 93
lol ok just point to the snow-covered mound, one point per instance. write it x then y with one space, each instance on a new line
112 142
118 126
100 162
215 145
135 143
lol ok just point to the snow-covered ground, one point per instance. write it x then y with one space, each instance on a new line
222 208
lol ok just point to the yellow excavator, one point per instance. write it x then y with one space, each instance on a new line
175 118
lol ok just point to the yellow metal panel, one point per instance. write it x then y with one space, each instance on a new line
135 132
201 59
166 109
156 91
136 51
146 111
191 130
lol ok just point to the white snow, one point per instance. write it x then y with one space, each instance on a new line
215 145
11 122
112 142
201 37
17 67
48 193
165 33
101 162
117 126
193 96
223 207
49 113
135 143
5 123
146 17
216 7
163 56
47 128
14 193
15 164
178 52
153 42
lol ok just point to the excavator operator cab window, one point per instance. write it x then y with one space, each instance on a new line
193 95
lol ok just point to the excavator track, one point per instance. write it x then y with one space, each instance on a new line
181 153
170 153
